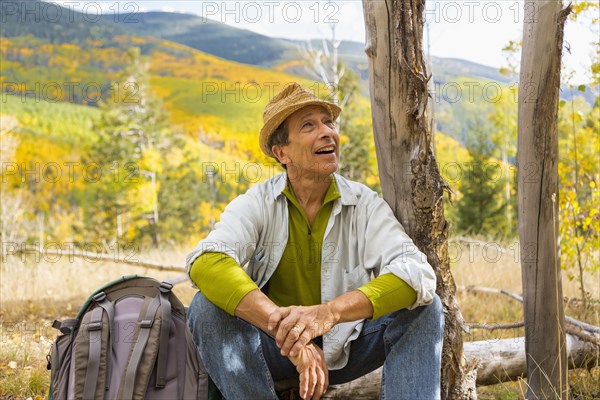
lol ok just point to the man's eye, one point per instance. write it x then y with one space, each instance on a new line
307 124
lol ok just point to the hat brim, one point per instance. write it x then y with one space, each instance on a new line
276 120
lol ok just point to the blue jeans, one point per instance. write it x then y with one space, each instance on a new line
244 362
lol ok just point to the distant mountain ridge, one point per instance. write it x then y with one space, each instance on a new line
215 38
211 37
248 47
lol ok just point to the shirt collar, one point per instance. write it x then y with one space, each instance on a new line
331 195
346 193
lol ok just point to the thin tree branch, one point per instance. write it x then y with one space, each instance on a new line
583 335
583 325
493 327
94 257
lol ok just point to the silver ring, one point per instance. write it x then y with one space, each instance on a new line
297 329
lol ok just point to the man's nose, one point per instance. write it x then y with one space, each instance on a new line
326 130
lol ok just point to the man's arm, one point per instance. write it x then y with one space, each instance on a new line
221 280
351 306
235 233
395 252
256 308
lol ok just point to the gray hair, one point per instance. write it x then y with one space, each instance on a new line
280 137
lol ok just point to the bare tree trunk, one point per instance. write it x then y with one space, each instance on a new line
545 344
410 180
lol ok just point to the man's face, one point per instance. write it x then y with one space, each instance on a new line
314 144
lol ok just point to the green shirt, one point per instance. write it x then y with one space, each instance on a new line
297 279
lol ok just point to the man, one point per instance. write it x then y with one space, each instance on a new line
332 287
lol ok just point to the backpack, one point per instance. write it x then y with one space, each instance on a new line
130 340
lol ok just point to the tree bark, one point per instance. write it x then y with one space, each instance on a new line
410 180
538 190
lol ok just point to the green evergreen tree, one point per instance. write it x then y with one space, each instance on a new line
481 208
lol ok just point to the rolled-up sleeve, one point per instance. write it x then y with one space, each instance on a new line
390 250
222 280
388 293
236 234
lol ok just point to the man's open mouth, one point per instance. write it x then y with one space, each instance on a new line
326 150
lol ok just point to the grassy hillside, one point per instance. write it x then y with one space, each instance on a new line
247 47
61 122
195 86
251 48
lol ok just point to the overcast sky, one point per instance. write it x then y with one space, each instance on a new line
471 30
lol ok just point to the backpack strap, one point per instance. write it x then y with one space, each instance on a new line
165 326
91 375
66 326
138 349
102 301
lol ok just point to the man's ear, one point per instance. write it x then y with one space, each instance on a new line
280 154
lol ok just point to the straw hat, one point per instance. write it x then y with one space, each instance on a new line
292 98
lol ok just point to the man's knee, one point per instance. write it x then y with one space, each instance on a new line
204 317
436 315
436 305
429 319
200 305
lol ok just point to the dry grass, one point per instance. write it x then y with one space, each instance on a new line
475 266
34 294
29 287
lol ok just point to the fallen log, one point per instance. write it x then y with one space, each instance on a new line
498 361
504 359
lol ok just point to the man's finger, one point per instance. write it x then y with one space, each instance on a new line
285 327
321 380
321 358
312 382
290 325
292 337
300 342
276 317
305 383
